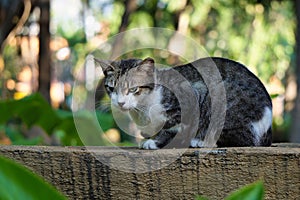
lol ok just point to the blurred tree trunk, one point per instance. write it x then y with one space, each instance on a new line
295 129
10 13
130 6
13 15
44 50
176 43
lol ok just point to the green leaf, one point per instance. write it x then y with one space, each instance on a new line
273 96
33 141
32 109
106 120
17 182
201 198
254 191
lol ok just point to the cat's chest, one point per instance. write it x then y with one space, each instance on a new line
152 118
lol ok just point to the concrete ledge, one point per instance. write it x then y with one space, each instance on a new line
80 173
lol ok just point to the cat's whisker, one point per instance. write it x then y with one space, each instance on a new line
104 106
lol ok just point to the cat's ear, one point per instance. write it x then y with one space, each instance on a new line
106 66
147 65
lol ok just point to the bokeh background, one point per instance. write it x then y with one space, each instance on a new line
44 44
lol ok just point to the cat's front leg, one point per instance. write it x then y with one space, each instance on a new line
159 140
149 144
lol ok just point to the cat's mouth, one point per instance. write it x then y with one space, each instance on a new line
124 109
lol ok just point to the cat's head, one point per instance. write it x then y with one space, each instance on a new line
128 82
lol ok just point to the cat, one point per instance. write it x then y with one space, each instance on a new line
135 89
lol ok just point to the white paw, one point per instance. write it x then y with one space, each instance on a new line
197 143
149 144
194 142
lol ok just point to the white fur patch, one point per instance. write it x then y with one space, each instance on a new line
114 98
155 114
149 144
195 142
260 127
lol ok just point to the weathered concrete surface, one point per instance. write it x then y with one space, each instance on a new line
79 172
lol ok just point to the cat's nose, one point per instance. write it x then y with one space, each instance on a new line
121 103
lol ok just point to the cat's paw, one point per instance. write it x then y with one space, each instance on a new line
196 142
149 144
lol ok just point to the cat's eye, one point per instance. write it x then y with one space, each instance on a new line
134 90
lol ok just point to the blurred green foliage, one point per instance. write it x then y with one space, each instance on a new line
246 31
17 182
17 116
253 191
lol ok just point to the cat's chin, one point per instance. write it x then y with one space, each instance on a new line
118 108
124 109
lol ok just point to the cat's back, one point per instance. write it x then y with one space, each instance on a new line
228 69
237 78
241 85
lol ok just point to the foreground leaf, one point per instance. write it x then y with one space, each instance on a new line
254 191
201 198
17 182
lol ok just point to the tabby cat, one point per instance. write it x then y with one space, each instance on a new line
134 86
